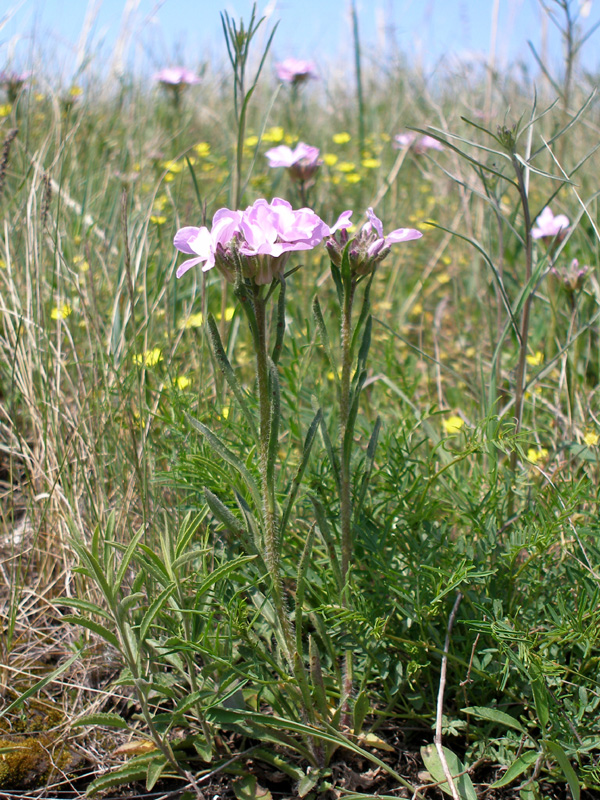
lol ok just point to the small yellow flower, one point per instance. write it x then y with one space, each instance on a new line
2 263
149 358
172 166
536 359
346 166
341 138
416 310
202 149
61 312
75 91
453 424
169 177
5 109
330 159
371 163
470 352
353 177
274 134
225 412
446 260
251 141
208 167
193 321
182 382
158 219
534 454
591 439
229 312
160 202
443 278
39 97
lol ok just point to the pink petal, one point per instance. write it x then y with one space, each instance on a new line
402 235
185 236
183 268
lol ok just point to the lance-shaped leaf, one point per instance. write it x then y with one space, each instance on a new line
229 374
280 325
325 341
227 455
327 535
293 492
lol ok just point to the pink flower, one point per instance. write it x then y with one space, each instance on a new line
295 71
263 235
549 226
369 246
13 82
302 162
176 76
203 244
405 140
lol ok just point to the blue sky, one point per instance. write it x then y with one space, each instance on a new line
188 31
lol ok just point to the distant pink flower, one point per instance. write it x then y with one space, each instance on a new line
295 71
369 246
572 276
550 227
302 162
403 141
419 145
176 77
13 82
263 236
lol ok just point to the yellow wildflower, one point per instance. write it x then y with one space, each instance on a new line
172 166
443 278
534 454
274 134
353 177
225 412
341 138
536 359
371 163
5 109
158 219
61 312
330 159
193 321
203 149
75 91
149 358
2 263
346 166
182 382
160 202
416 310
591 439
470 352
453 424
229 312
251 141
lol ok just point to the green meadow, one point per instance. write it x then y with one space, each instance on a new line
319 520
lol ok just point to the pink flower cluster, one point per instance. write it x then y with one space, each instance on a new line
258 239
419 145
176 77
295 71
302 162
369 246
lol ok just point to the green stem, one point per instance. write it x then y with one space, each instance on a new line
266 475
345 479
522 363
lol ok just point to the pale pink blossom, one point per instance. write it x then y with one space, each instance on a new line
420 145
302 162
369 246
295 71
176 77
259 238
549 226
